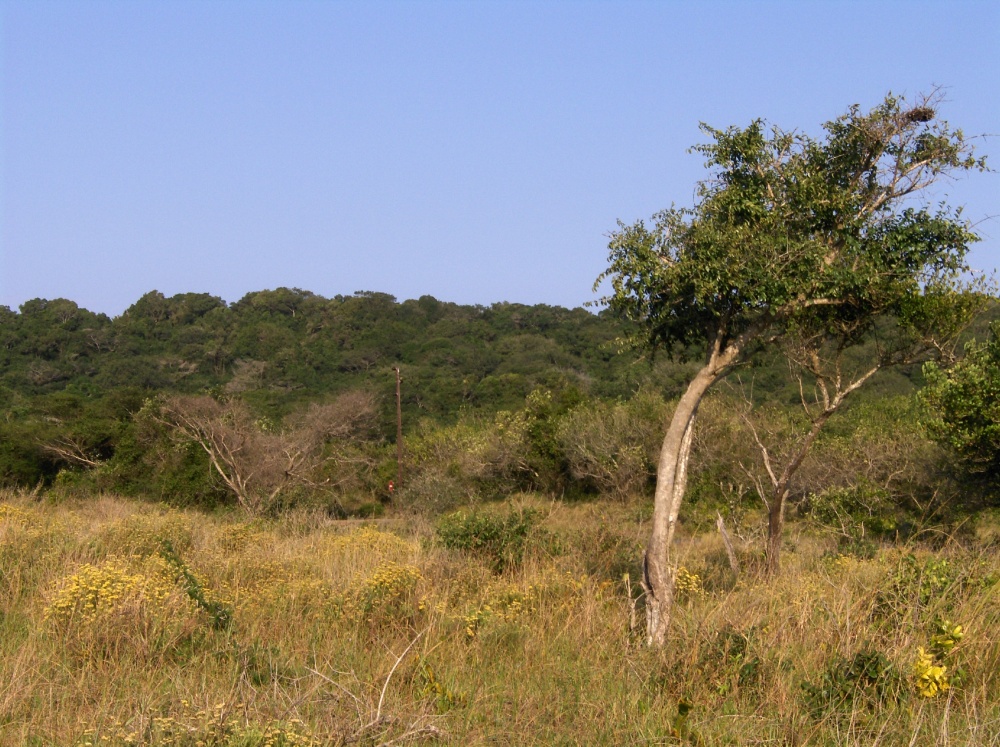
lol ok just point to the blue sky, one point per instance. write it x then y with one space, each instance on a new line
473 151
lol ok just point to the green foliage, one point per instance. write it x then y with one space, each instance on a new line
819 245
962 406
859 514
918 583
500 539
867 679
731 661
220 614
73 379
148 462
611 448
431 687
796 233
946 636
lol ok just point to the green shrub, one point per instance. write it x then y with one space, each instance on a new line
860 515
867 679
730 660
916 584
499 539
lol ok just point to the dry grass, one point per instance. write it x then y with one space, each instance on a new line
348 633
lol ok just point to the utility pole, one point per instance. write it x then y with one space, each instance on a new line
399 432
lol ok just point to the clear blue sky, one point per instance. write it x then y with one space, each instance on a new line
473 151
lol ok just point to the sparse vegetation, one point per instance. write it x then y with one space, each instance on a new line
364 633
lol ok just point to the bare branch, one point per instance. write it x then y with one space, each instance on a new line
69 450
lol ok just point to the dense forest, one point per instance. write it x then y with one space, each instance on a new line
494 399
73 383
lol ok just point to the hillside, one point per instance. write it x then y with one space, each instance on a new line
62 365
76 390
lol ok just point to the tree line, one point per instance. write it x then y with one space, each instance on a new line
77 389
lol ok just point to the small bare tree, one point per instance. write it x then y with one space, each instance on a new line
832 359
256 460
71 450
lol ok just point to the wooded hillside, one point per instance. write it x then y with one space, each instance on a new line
494 398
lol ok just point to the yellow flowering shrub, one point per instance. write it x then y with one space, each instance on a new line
341 559
14 515
190 727
31 540
369 540
114 609
561 588
143 534
687 584
270 587
260 577
386 597
237 537
502 603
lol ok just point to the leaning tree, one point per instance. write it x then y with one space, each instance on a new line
788 233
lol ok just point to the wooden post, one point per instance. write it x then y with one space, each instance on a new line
399 432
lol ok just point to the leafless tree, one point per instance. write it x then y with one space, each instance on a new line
257 460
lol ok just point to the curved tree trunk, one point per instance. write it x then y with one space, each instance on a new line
671 482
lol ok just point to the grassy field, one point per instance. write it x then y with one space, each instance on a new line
125 623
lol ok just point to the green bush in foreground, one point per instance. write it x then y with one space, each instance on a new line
499 539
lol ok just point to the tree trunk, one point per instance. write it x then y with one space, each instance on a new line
776 514
775 528
671 481
734 562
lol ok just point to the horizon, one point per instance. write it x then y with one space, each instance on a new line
591 308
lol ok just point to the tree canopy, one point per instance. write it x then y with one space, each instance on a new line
791 229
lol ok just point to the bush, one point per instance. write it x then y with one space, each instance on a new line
500 540
919 583
962 407
113 611
611 448
385 599
868 679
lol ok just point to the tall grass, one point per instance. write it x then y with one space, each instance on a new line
352 633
